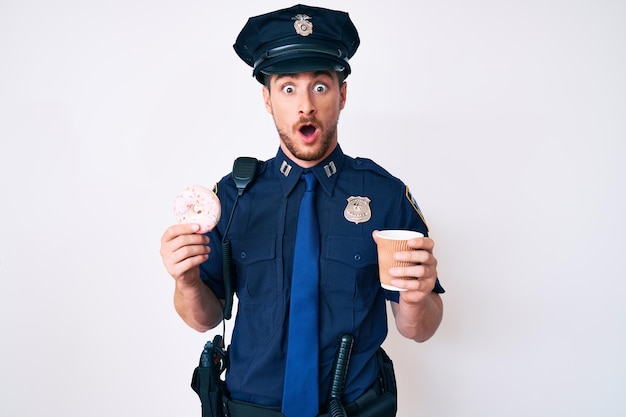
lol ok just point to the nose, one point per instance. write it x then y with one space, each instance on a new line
306 104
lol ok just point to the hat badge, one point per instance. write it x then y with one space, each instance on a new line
302 25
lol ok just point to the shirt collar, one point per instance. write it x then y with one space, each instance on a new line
326 172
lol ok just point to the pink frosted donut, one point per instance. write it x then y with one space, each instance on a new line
198 204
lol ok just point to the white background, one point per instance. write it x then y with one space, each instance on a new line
505 118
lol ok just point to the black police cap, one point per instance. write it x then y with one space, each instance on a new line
298 39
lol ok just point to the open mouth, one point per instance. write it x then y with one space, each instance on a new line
308 130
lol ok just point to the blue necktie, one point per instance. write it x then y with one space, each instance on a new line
301 389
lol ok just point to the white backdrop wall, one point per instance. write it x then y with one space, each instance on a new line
505 118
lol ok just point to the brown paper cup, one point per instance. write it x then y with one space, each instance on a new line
388 243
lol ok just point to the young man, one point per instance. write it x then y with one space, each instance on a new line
301 55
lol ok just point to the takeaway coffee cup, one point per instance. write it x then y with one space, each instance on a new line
389 242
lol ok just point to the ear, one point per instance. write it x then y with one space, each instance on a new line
266 100
343 95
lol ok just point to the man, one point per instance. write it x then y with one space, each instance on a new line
300 55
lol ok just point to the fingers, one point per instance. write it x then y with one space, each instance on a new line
422 268
422 252
183 249
414 278
421 256
180 229
414 285
422 243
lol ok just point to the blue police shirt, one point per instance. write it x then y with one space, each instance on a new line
262 235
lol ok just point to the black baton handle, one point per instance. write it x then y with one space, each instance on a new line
340 373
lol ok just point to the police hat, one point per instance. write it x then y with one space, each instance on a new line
297 39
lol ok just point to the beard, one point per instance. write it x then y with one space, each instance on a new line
309 152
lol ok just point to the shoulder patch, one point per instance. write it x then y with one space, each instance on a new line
411 199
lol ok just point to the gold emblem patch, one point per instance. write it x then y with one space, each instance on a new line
302 25
358 210
411 199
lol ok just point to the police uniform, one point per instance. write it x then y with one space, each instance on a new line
354 197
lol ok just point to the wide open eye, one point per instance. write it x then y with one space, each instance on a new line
288 89
320 88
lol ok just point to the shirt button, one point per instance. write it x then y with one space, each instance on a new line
243 255
357 257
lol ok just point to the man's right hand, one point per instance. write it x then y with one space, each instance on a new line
183 249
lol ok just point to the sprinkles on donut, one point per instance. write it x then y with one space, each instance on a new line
198 204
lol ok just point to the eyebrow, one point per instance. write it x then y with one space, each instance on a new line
297 74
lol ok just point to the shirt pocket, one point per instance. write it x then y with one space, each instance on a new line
350 271
258 280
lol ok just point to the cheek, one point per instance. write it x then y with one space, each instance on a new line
279 116
332 111
281 109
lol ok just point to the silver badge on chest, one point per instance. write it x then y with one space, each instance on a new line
358 210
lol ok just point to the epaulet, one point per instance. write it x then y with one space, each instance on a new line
369 165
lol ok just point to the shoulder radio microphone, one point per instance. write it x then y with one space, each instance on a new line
245 169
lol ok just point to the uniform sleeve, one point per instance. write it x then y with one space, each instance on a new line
395 295
415 220
212 270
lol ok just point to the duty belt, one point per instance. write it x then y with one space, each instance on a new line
237 408
378 401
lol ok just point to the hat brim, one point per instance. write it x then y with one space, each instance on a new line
293 65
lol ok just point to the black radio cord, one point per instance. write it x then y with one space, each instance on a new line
227 265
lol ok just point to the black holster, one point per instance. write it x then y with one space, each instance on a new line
207 381
386 403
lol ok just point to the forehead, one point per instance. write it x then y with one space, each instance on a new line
331 75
